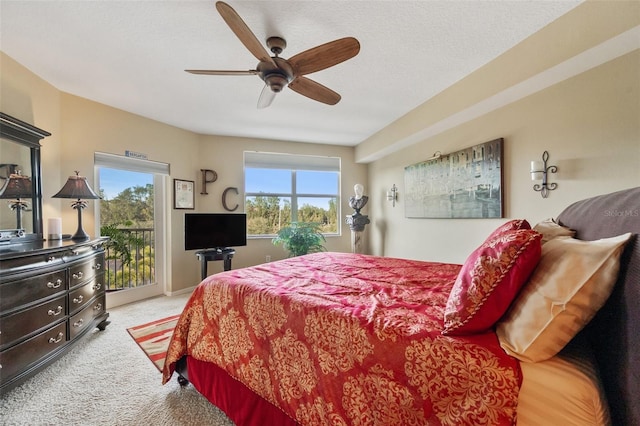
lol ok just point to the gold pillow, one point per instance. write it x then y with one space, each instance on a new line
573 279
550 229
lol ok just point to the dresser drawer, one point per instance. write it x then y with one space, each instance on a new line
23 323
84 318
79 297
14 294
81 272
36 261
20 357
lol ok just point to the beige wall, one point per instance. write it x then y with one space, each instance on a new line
27 97
88 127
589 123
81 127
225 156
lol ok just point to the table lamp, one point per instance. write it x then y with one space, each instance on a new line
78 188
16 188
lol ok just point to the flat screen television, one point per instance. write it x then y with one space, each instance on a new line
214 230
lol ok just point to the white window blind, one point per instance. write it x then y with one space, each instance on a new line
269 160
112 161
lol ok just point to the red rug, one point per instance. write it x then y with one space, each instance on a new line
153 338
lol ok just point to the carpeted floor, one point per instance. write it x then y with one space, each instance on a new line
108 380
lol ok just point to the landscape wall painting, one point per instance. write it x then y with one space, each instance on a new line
463 184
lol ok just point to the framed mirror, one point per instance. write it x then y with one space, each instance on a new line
20 181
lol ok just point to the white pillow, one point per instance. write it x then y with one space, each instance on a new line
572 281
550 229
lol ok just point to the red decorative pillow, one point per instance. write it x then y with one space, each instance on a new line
489 281
512 225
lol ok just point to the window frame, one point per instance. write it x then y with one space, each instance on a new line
295 163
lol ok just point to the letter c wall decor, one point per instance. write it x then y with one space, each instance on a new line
224 199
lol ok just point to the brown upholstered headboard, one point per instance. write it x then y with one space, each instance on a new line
615 331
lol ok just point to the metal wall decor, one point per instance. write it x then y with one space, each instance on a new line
208 176
224 199
463 184
392 195
539 171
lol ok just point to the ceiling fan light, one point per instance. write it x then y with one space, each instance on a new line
277 82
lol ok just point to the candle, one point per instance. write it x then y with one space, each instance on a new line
55 228
537 168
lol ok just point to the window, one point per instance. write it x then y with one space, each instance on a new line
284 188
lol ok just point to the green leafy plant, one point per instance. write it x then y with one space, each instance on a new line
120 241
300 238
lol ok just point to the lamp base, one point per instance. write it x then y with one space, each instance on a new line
80 234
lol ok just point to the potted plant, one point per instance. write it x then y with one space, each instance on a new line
300 238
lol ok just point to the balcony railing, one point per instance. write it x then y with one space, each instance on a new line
141 270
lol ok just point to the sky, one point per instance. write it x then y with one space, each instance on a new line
114 181
274 180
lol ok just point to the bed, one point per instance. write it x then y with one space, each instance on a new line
341 338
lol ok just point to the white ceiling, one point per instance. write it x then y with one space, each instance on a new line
132 54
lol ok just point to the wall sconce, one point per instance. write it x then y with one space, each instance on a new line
78 188
17 188
539 171
392 195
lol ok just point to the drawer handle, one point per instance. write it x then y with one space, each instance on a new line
55 313
98 307
97 286
78 275
56 339
78 323
97 266
78 299
57 284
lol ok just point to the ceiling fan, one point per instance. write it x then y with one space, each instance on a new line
277 72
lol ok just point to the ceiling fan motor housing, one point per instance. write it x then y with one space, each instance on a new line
277 77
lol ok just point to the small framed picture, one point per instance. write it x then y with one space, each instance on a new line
183 194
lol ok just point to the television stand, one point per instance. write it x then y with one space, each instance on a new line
224 254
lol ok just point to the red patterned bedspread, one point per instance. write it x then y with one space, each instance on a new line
341 338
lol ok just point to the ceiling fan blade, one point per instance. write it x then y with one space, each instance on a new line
266 97
314 90
243 32
325 56
222 72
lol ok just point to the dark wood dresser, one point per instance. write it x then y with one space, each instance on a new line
51 294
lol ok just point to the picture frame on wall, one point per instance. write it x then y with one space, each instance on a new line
464 184
183 194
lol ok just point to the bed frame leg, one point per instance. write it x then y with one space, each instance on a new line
181 370
182 381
